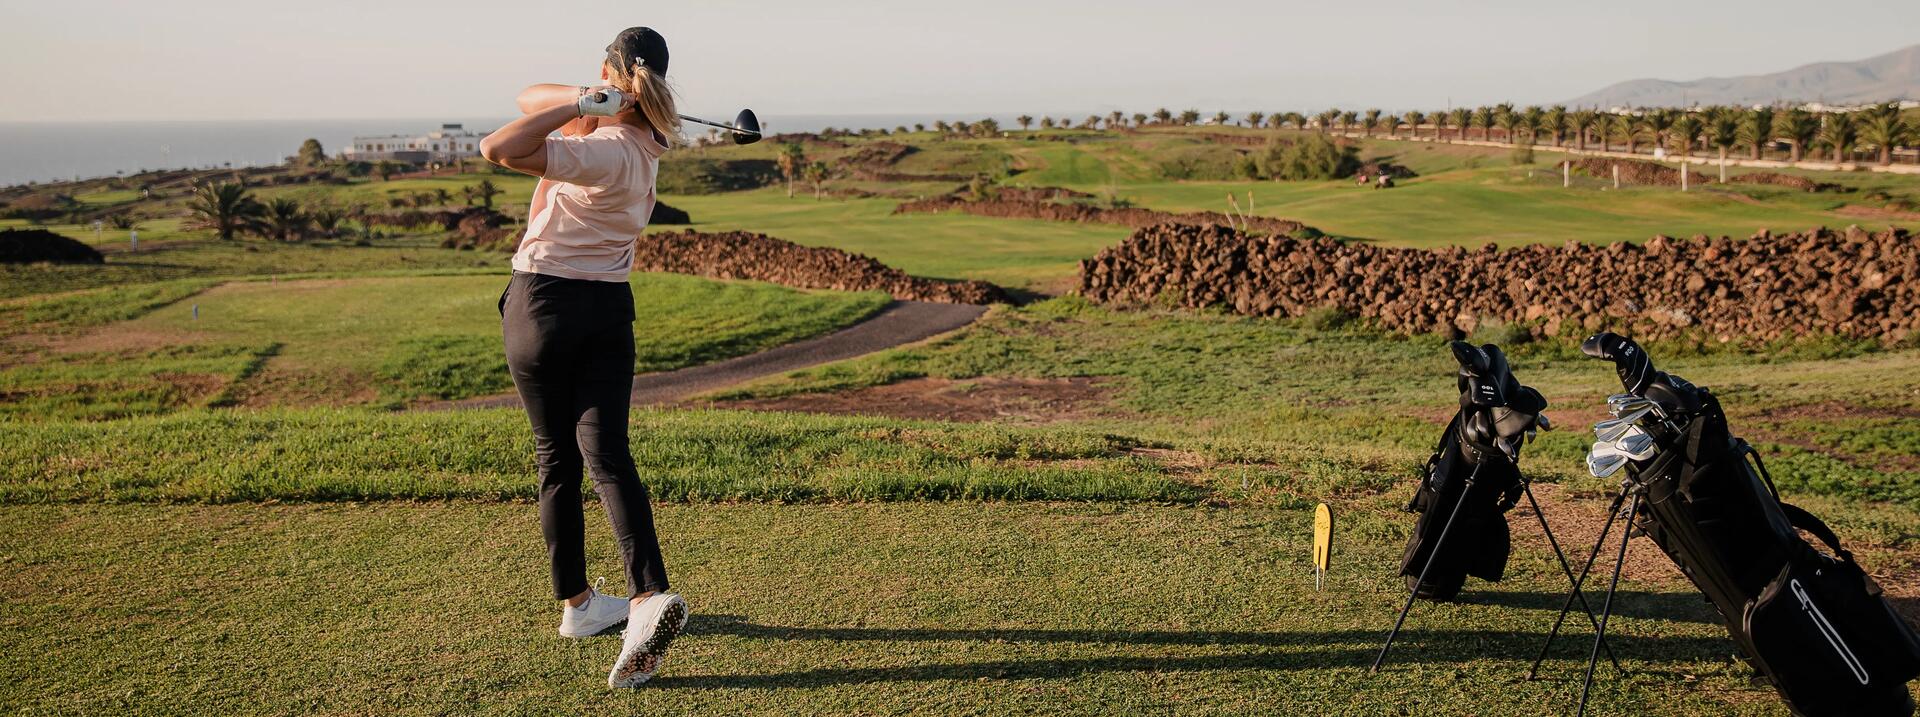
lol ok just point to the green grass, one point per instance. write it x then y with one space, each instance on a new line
334 341
350 454
211 258
436 608
1282 392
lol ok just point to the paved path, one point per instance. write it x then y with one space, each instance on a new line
901 322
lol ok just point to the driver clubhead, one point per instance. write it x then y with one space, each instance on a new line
746 121
1605 460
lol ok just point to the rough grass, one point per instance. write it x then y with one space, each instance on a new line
414 337
927 608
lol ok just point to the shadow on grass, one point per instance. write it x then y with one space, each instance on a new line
1639 605
1310 650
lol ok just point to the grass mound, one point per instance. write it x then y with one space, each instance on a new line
28 246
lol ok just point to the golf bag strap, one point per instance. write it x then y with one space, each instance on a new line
1806 521
1433 462
1746 450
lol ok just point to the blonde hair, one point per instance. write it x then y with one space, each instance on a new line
652 97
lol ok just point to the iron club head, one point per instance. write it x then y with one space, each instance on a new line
1604 460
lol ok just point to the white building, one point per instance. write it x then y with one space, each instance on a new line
450 143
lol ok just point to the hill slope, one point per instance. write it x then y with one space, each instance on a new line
1895 75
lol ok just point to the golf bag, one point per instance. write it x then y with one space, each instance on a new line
1472 479
1813 623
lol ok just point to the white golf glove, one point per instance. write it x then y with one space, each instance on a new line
600 101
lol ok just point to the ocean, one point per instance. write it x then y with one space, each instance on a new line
53 151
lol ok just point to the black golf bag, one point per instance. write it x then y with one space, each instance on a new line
1813 623
1472 479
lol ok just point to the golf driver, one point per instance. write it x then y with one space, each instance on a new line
745 128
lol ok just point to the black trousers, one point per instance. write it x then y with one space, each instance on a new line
570 349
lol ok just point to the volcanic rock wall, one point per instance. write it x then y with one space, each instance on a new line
1028 208
744 255
1850 283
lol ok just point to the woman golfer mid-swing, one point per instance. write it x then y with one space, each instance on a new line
567 318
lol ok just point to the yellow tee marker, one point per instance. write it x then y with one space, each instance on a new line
1322 542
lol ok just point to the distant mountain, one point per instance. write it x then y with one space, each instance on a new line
1893 76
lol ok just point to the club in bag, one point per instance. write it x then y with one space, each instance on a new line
1605 459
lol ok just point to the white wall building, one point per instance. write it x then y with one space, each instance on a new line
450 143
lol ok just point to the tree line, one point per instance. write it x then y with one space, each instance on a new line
230 209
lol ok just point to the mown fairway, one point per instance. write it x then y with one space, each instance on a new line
227 514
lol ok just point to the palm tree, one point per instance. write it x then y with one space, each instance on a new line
1277 120
1326 119
1511 122
1116 119
988 127
485 191
1347 119
1604 125
282 219
1440 121
1047 123
326 219
1500 118
1483 118
1299 120
1026 122
1462 119
1839 131
940 126
1554 121
226 207
1685 130
1415 118
1655 124
1885 129
1799 127
1371 121
1189 116
1581 122
1254 119
1723 132
1139 119
1162 116
1533 119
1392 123
1756 129
792 158
386 169
816 173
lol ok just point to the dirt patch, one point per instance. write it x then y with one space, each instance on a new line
1576 522
1021 400
1790 181
1760 425
1018 207
279 386
1637 171
123 338
1866 212
194 389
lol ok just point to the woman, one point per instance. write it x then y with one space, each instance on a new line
567 318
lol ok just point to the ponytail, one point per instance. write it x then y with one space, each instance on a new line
652 98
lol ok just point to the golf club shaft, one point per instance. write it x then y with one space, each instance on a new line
721 125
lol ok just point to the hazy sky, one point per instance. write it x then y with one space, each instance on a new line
267 59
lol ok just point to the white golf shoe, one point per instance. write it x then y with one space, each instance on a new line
596 614
654 624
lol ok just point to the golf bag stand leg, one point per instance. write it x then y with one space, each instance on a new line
1438 544
1606 606
1613 514
1567 570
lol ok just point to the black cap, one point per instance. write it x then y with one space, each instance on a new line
640 44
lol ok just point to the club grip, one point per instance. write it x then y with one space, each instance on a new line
1635 369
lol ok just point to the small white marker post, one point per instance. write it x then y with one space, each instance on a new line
1566 174
1616 175
196 312
133 235
1683 176
1322 543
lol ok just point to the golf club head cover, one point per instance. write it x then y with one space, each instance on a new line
1480 374
601 102
1629 360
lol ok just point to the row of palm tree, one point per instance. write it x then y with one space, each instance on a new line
230 209
1883 127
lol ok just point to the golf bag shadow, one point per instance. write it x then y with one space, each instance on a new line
1811 622
1472 479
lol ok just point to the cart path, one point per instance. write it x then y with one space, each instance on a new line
901 322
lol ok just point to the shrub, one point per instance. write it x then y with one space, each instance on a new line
697 175
1327 318
1205 162
1312 157
1522 154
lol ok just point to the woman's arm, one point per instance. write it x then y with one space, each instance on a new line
522 145
541 96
